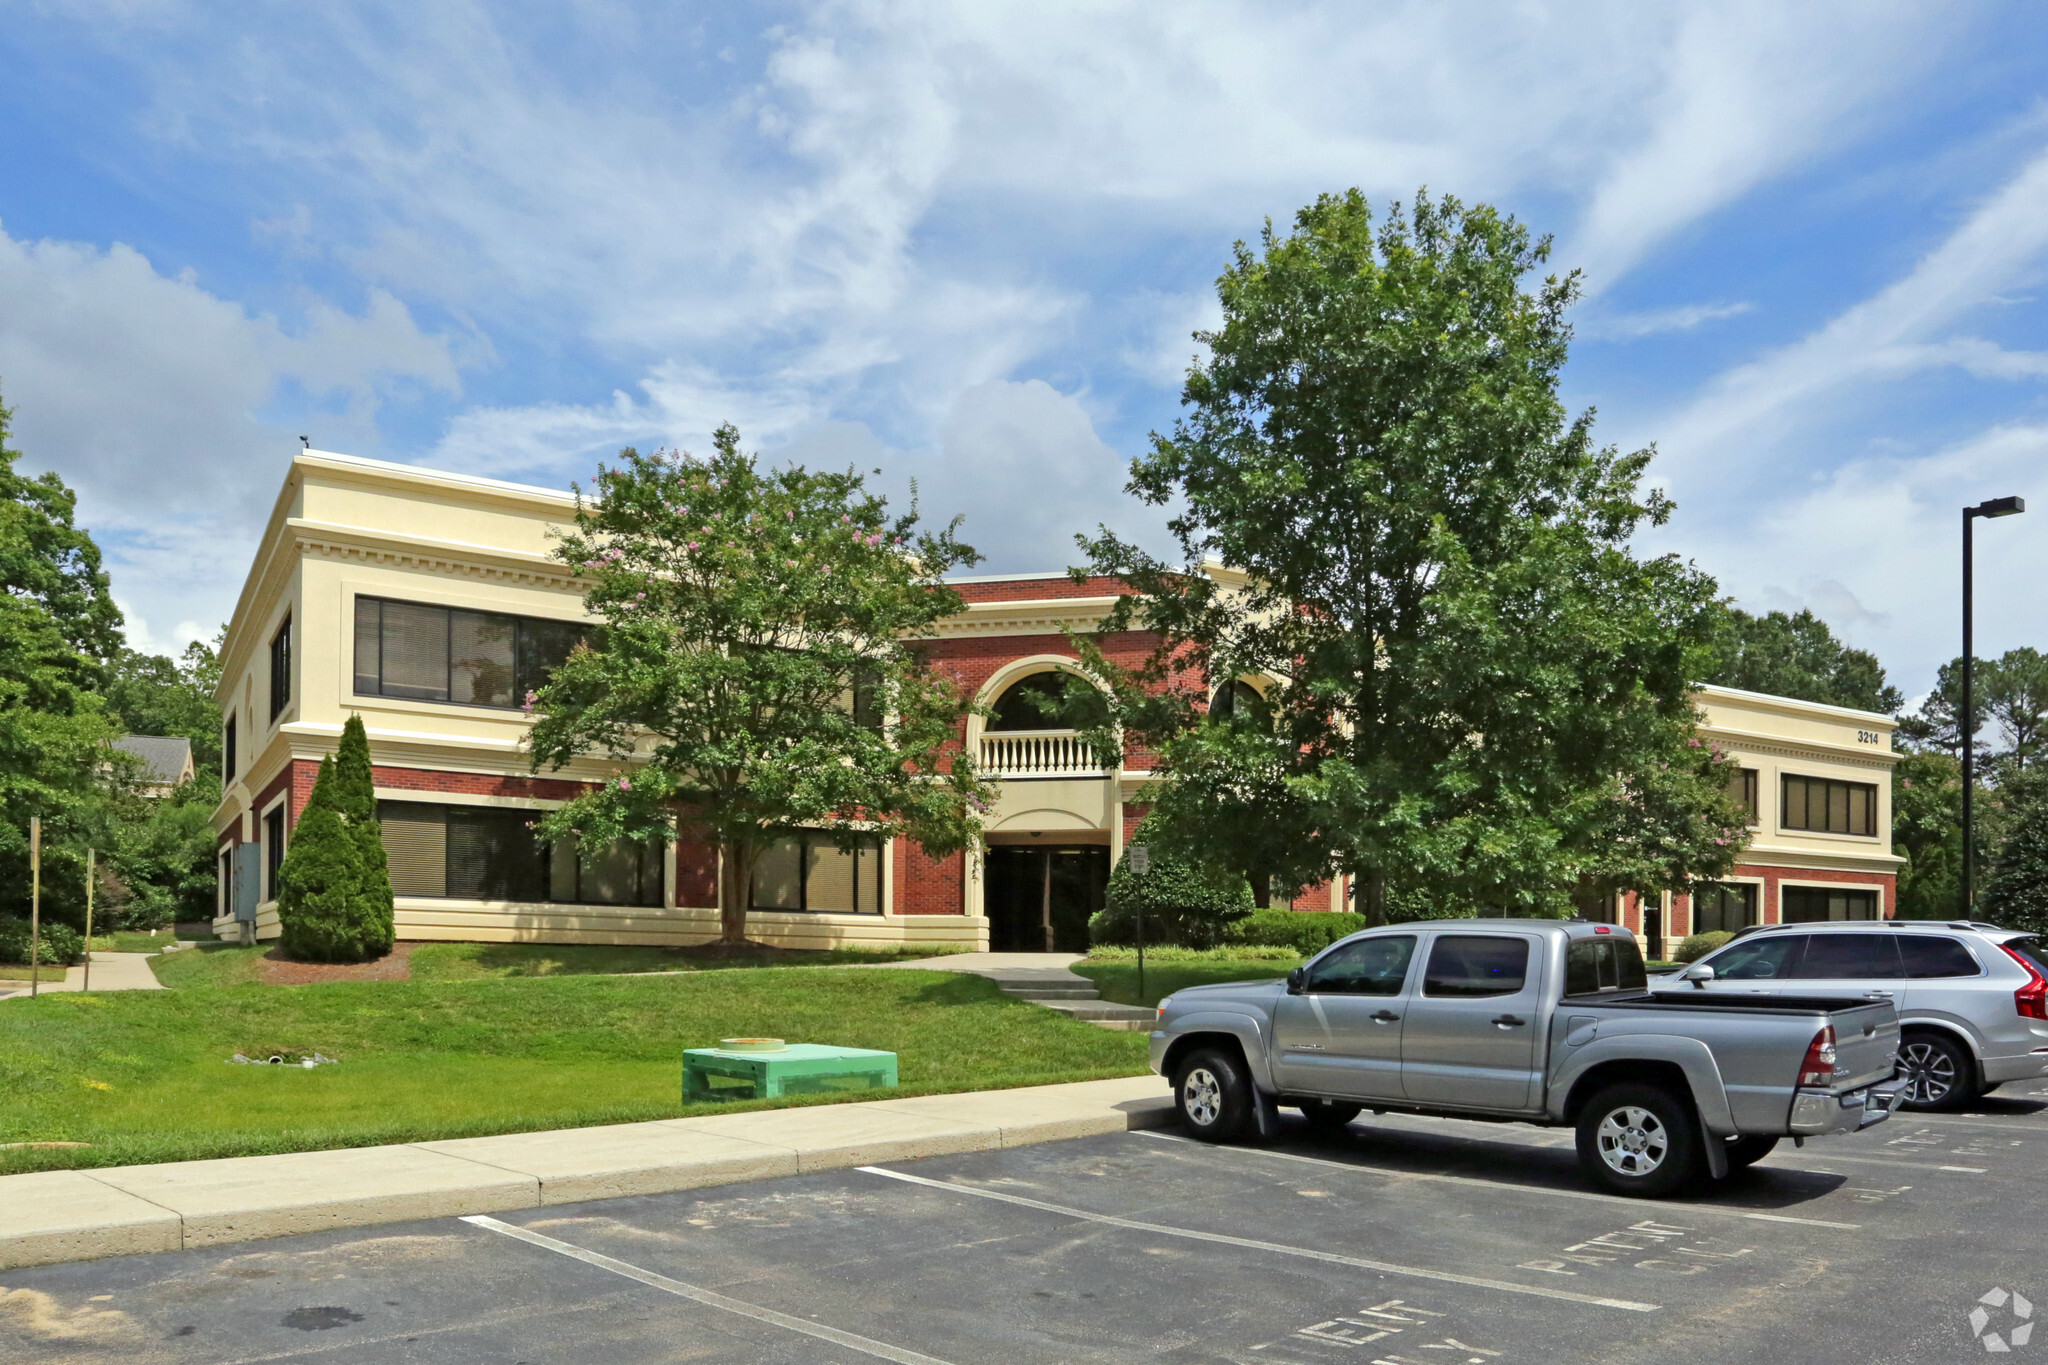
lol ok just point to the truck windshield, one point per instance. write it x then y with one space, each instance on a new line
1603 964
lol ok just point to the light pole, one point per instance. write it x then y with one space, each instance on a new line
1966 723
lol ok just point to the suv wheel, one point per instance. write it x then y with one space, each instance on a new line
1639 1140
1938 1072
1212 1095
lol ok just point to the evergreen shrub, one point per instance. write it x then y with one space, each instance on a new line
334 889
1185 905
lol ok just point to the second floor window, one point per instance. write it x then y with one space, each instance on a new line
227 748
1742 789
281 668
1825 806
473 658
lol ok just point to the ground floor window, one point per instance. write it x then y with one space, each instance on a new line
273 849
1812 904
806 871
491 853
1723 907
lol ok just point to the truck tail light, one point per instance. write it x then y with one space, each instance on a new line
2031 1000
1819 1066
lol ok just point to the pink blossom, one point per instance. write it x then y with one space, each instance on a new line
531 697
845 517
693 545
625 784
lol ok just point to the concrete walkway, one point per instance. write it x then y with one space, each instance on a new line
55 1216
110 972
1043 979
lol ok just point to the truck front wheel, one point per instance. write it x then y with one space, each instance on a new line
1213 1095
1639 1140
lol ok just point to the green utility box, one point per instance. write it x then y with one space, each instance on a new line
798 1069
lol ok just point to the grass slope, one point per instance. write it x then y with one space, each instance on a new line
143 1076
1118 981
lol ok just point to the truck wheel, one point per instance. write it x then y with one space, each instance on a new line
1639 1140
1329 1116
1212 1095
1938 1073
1747 1151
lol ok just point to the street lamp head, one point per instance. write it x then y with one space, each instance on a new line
2000 507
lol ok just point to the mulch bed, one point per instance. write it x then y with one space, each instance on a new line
279 970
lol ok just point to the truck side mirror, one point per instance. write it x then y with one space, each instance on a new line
1295 980
1699 975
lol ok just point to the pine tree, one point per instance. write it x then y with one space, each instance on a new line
334 889
2016 895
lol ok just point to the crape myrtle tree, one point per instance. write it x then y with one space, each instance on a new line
1479 697
758 667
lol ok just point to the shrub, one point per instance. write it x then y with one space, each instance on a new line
1699 945
1305 931
1185 904
1227 953
334 889
61 945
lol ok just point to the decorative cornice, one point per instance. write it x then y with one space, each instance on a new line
450 557
1780 746
1040 616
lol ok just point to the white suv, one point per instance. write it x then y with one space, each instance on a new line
1972 998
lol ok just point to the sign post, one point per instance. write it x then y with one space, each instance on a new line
35 902
87 984
1140 858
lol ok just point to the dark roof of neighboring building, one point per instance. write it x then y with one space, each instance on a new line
167 759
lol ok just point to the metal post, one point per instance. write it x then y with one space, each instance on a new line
35 901
1141 862
1966 723
86 985
1966 733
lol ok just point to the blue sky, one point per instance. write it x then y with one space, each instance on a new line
967 244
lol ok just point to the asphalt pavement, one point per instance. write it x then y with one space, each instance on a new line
1402 1241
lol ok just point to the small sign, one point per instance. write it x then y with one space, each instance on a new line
1140 858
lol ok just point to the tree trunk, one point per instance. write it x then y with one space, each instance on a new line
1374 902
736 863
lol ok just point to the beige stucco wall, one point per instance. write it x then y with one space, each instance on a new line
1779 736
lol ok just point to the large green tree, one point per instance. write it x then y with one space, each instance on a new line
1927 831
758 668
2016 892
58 626
1798 656
1477 689
152 694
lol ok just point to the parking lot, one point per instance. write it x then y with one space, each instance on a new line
1401 1242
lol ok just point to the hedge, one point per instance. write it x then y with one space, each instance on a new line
61 945
1699 945
1305 931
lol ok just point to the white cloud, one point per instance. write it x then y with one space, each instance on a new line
146 394
1656 322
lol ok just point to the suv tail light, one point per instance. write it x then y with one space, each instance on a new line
1819 1066
2031 1000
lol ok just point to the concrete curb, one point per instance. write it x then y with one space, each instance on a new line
52 1216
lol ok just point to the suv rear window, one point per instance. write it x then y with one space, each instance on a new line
1603 964
2031 949
1928 956
1849 957
1475 965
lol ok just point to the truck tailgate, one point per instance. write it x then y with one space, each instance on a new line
1866 1043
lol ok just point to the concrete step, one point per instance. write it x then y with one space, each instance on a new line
1035 992
1097 1010
1125 1025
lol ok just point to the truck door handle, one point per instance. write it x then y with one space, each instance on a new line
1509 1021
1385 1017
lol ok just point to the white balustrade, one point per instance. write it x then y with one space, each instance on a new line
1038 753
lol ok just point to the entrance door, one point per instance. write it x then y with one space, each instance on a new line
1039 899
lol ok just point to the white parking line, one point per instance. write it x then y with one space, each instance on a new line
881 1350
1944 1121
1720 1209
1310 1253
1829 1158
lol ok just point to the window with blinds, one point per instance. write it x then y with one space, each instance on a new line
1815 904
491 853
419 652
1826 806
1742 790
805 871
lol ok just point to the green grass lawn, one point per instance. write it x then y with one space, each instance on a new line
22 972
211 964
144 1076
133 941
1118 981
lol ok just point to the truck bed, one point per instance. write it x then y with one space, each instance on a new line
1722 1001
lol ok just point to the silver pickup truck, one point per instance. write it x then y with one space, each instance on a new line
1538 1021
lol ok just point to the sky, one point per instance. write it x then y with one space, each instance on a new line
968 245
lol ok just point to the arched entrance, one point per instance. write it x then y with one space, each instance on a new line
1039 897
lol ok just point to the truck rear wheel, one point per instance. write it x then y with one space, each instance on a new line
1639 1140
1212 1095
